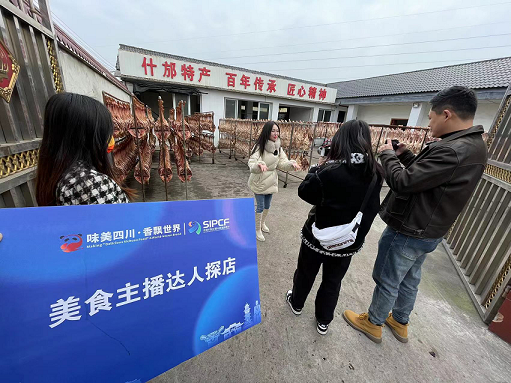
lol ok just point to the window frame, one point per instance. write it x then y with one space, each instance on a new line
235 107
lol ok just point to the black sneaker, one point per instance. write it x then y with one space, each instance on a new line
288 300
322 328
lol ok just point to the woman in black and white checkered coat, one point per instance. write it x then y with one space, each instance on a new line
75 167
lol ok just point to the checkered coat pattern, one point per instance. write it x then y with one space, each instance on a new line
83 186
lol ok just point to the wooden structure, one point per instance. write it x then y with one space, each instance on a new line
28 33
479 242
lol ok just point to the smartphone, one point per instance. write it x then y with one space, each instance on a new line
394 144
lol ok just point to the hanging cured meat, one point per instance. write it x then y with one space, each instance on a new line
147 144
140 127
144 174
142 122
125 157
207 131
177 143
242 135
181 163
162 130
194 145
226 129
122 117
162 125
202 128
180 159
165 167
151 135
415 138
178 123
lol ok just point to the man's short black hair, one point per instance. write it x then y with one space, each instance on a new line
458 99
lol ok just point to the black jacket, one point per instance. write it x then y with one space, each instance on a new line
427 194
337 191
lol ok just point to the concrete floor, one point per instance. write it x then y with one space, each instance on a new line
448 340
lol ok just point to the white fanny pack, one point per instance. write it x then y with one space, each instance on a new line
339 237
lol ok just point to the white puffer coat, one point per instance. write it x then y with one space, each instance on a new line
273 157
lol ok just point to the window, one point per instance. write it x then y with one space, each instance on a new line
244 109
324 115
341 116
255 110
284 113
182 97
399 121
230 108
264 111
195 104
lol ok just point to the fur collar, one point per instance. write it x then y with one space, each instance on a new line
273 147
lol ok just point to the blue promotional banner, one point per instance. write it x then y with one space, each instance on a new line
122 293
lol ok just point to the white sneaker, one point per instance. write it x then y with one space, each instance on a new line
288 300
322 328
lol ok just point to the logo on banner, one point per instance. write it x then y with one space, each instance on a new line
208 226
71 242
216 225
195 227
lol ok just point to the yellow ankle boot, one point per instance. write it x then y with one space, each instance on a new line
361 323
399 330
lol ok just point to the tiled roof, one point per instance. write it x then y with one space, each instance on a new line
486 74
73 47
130 48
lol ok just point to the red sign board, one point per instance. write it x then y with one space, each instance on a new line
214 76
9 70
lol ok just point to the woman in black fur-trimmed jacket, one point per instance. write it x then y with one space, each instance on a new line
337 190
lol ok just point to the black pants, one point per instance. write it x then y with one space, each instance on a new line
334 269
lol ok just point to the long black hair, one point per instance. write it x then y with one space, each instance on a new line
77 128
354 136
264 137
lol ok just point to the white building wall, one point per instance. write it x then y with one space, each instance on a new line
300 114
81 79
315 113
213 101
352 112
425 119
417 114
485 114
383 113
275 111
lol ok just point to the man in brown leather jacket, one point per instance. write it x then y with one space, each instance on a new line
428 191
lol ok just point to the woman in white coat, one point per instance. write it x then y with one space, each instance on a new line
267 156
